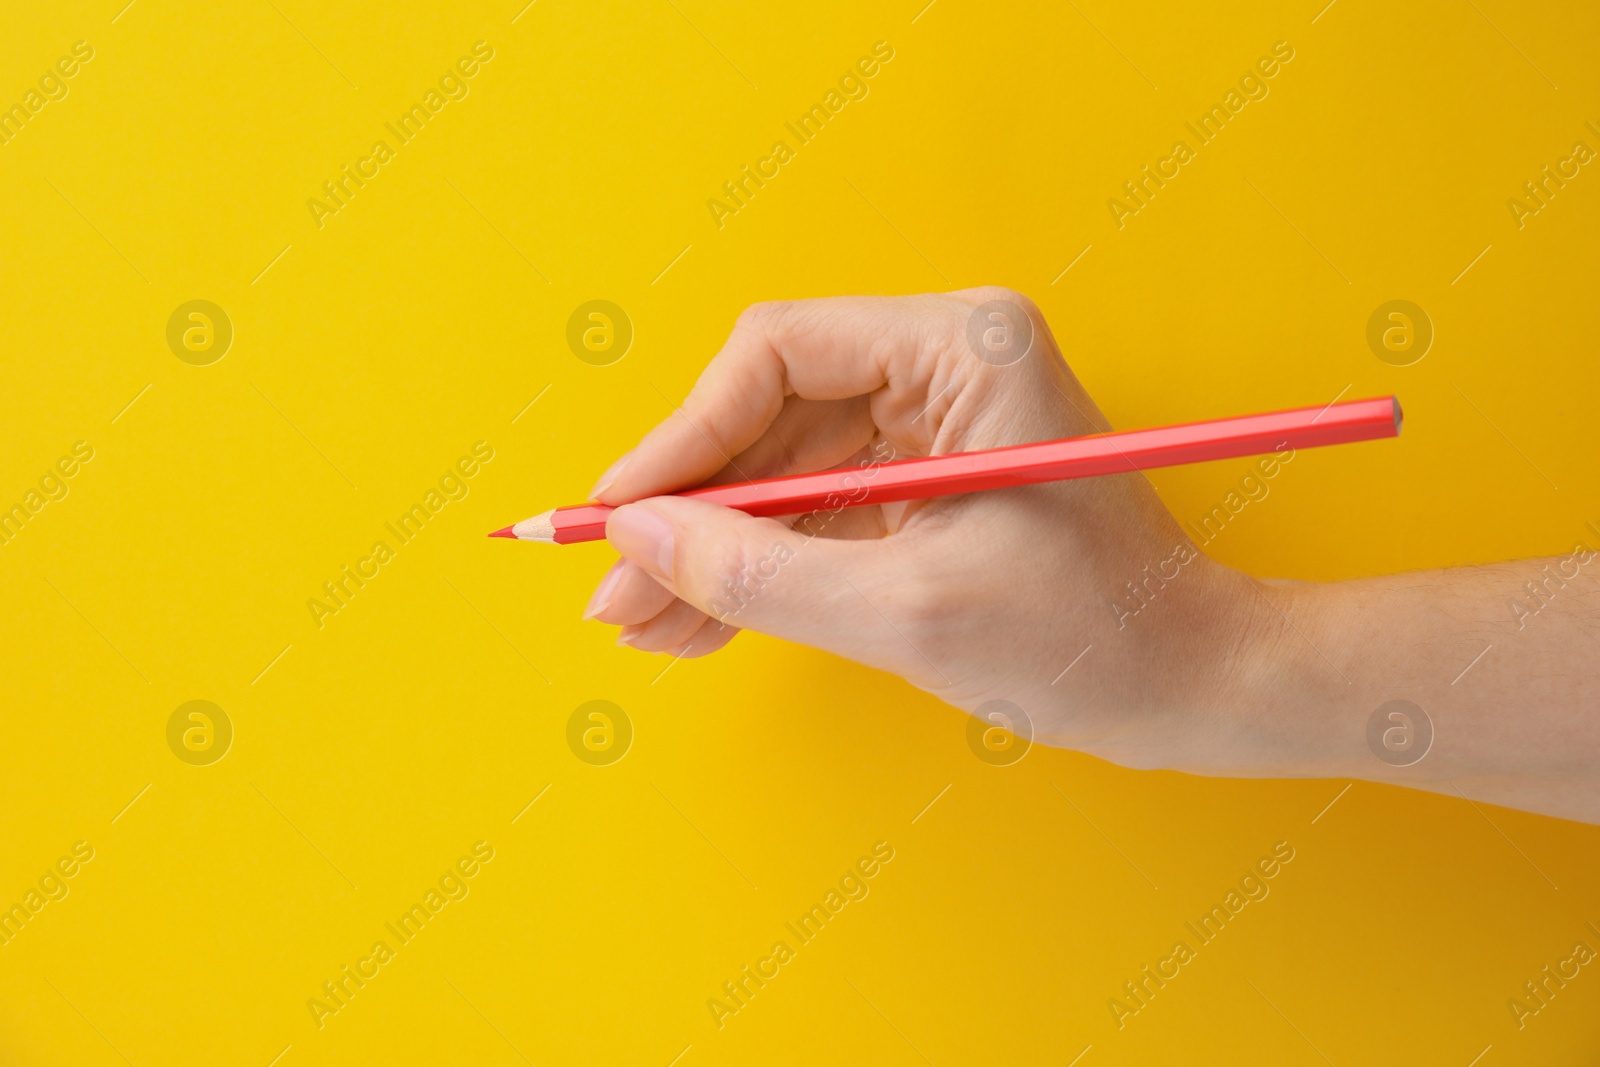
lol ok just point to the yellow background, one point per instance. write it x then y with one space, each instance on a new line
426 316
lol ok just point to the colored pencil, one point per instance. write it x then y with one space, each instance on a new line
1014 465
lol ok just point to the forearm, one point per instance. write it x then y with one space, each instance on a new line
1505 676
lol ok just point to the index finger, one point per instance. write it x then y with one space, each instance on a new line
825 349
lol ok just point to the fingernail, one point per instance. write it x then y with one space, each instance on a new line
626 637
602 593
609 476
643 535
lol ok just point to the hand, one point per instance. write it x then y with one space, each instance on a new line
1175 660
973 598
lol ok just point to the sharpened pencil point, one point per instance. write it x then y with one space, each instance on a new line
538 528
509 531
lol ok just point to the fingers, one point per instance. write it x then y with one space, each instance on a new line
673 627
832 349
679 629
804 386
711 636
910 364
627 596
807 435
758 574
652 619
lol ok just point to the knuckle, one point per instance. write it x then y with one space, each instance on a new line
741 576
921 609
966 304
986 293
725 578
760 314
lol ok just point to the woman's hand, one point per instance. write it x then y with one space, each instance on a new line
988 596
1082 603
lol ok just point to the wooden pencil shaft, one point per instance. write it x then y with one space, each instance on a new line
1028 464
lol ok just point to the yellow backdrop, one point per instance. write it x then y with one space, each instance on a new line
383 330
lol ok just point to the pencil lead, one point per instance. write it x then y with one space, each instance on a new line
509 531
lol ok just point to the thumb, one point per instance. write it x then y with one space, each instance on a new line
761 575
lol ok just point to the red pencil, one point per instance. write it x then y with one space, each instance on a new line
997 468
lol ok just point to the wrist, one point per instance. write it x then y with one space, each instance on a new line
1254 694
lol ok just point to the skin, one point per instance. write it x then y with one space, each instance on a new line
992 595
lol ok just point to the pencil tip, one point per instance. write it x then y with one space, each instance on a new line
509 531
